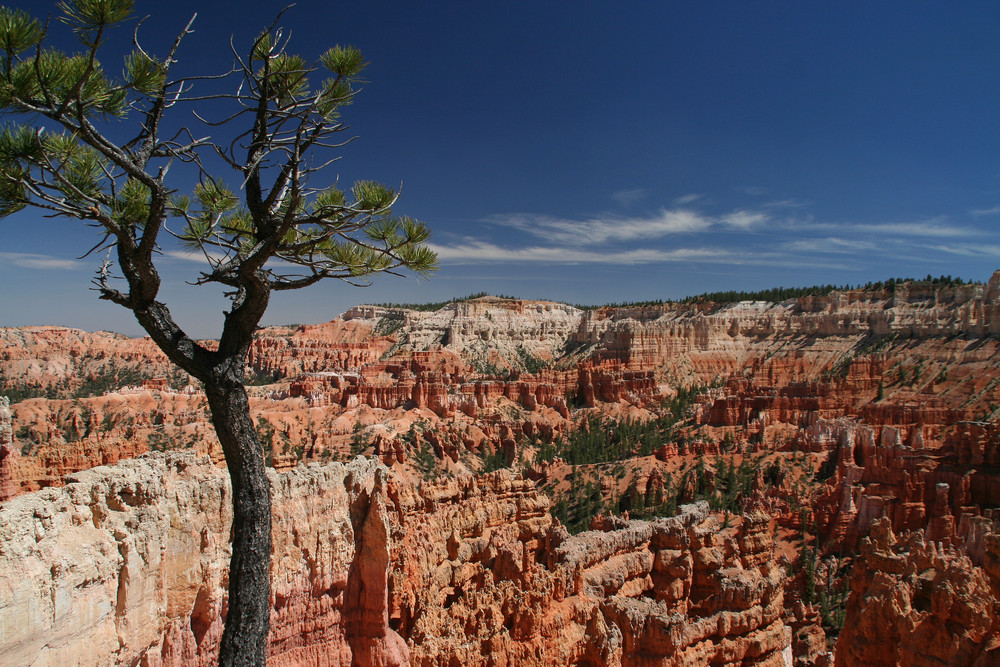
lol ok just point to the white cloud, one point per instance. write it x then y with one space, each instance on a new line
828 245
744 219
27 260
785 203
472 252
595 231
928 228
481 251
193 256
687 199
777 240
986 211
970 250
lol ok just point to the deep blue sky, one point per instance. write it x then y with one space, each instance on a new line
599 152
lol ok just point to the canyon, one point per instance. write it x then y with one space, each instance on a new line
783 483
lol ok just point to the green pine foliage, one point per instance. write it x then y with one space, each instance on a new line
435 306
359 439
772 295
581 502
601 440
86 382
494 460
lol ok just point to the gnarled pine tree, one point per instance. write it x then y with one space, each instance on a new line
279 233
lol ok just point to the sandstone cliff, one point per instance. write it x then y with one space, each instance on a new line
916 602
127 564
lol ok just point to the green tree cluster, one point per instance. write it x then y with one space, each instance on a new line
599 439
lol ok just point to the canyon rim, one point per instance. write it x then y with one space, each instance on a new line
811 481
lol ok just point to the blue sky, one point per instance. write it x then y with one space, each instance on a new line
598 152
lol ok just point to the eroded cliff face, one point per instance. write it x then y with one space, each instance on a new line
8 453
692 342
127 564
488 328
49 360
928 357
861 416
916 602
940 486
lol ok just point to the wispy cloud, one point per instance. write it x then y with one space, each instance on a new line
27 260
629 197
481 251
474 252
192 256
986 211
970 250
595 231
683 234
786 203
687 199
828 245
928 228
924 228
744 219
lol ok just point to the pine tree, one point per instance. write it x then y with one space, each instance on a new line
90 146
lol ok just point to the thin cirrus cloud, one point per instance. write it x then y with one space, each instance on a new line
687 199
630 197
27 260
786 203
569 241
563 231
979 212
482 251
474 252
971 250
928 228
829 245
934 228
744 219
193 256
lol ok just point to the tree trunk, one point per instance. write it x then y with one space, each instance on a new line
244 641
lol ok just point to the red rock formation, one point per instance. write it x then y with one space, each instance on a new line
897 391
8 453
497 582
59 359
367 570
366 598
915 482
915 603
60 437
416 384
334 346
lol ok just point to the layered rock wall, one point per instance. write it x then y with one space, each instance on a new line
694 342
53 358
127 564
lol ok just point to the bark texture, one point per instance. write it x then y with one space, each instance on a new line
244 641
